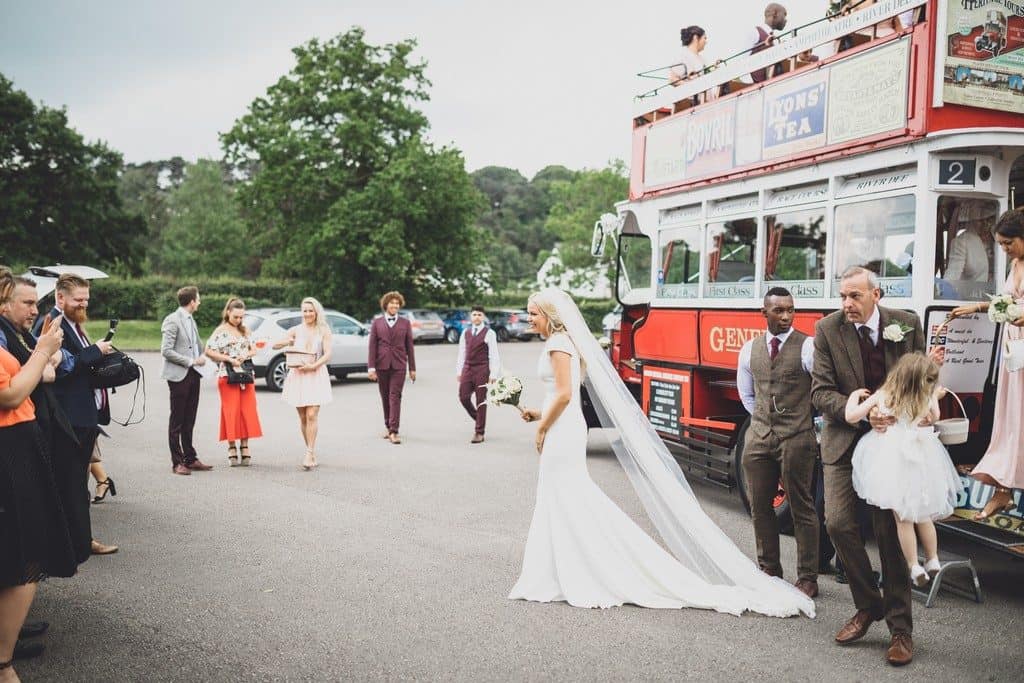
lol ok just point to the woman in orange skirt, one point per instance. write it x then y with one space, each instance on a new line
239 419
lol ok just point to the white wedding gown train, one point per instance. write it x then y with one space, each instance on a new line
584 550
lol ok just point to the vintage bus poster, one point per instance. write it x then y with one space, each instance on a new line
984 60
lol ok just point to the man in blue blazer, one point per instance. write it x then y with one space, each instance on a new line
86 408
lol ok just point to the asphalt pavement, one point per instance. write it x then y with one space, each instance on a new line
394 562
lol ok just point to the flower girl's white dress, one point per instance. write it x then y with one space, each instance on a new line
906 469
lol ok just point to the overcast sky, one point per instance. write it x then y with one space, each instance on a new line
524 84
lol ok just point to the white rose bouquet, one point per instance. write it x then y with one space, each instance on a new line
506 389
1003 309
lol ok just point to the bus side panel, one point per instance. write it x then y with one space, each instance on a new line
723 334
667 335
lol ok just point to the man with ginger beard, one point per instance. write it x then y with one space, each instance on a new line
86 408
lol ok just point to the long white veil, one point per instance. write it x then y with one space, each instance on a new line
692 537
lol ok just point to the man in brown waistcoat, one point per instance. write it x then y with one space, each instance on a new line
774 383
851 352
477 364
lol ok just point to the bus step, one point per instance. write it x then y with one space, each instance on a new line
950 562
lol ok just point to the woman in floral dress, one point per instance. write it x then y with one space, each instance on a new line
239 418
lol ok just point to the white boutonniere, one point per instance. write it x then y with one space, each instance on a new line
895 332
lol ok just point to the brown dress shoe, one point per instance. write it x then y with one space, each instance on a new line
901 649
856 627
394 438
477 438
181 469
808 587
199 466
101 549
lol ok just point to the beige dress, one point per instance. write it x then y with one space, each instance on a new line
308 388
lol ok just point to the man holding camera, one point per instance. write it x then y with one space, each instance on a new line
86 408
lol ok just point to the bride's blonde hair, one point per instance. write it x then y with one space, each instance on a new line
555 323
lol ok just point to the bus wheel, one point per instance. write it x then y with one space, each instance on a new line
780 502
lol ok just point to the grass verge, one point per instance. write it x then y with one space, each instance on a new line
133 335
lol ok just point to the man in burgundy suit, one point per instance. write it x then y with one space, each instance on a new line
477 365
390 353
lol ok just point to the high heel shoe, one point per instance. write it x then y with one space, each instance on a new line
111 489
232 456
996 509
308 462
244 450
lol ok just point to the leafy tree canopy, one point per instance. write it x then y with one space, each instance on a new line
341 188
58 194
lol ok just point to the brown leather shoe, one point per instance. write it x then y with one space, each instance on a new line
856 627
394 438
101 549
808 587
477 438
901 649
181 469
199 466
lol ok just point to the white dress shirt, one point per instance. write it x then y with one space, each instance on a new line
493 362
744 376
390 321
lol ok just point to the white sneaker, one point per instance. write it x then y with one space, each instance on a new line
932 566
918 576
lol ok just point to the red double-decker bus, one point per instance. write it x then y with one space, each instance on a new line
897 153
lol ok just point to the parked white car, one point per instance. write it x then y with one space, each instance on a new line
349 349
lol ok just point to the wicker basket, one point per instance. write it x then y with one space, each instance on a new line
954 430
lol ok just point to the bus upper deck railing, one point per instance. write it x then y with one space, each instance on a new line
726 77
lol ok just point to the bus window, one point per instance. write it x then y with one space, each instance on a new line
634 272
794 253
679 269
964 248
730 266
879 235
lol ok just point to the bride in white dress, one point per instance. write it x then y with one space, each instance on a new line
581 547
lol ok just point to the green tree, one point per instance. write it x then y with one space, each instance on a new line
578 204
341 191
58 194
205 234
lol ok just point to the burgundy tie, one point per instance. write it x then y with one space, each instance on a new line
81 333
774 351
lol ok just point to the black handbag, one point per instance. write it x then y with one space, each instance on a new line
114 370
246 375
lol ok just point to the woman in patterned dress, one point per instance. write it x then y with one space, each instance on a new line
239 418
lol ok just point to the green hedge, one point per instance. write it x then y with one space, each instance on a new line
153 297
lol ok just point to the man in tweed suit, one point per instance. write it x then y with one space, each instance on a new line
850 353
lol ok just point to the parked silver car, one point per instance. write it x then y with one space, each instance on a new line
349 348
427 326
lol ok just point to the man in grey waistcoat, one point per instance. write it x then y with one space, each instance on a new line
774 382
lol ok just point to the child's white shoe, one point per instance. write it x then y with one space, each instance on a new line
918 576
933 567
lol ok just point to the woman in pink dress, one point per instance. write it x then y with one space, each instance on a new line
1003 463
307 386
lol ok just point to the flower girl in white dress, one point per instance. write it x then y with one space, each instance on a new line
906 468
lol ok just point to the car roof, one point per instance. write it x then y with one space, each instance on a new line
280 312
46 276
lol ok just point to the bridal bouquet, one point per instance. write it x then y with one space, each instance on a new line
1003 309
506 389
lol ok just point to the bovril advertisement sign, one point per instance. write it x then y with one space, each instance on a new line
723 334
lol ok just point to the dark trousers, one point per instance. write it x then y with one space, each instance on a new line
473 394
390 384
765 462
841 520
184 406
71 474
